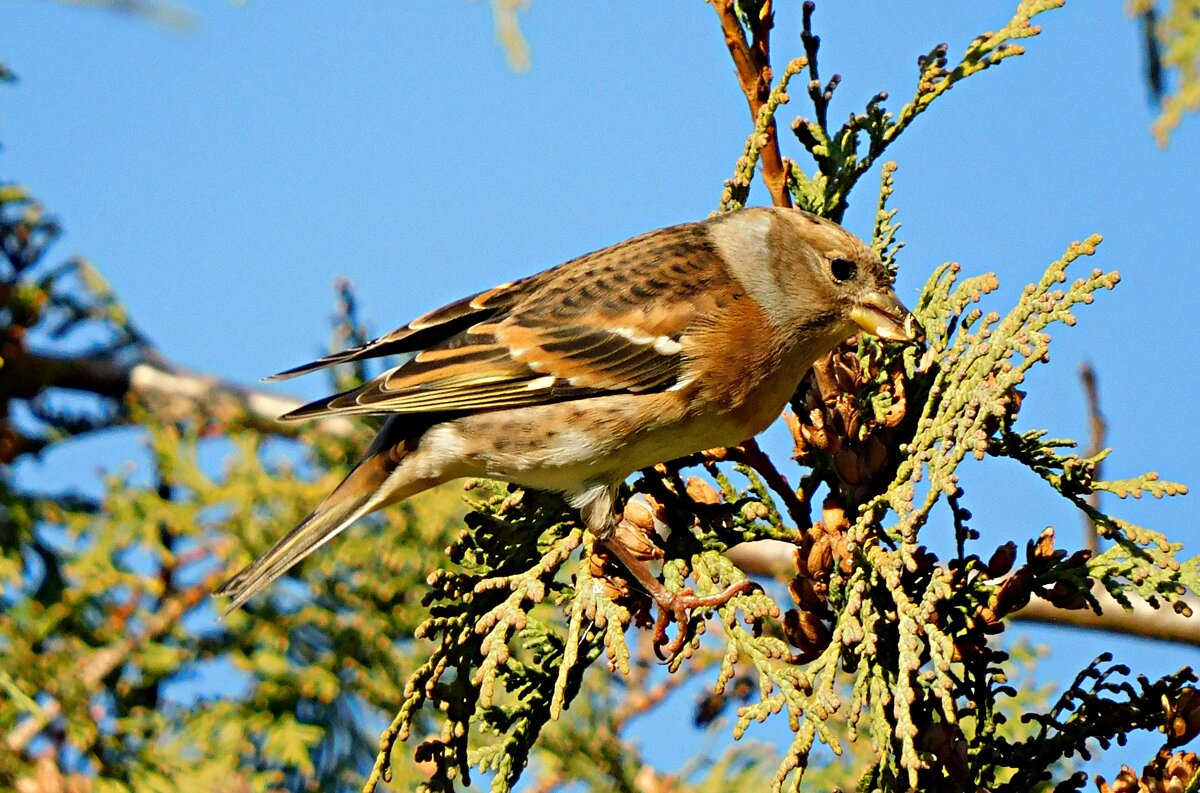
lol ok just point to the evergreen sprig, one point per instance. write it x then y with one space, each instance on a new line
837 152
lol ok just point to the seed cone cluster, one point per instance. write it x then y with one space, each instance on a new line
1168 772
847 425
847 413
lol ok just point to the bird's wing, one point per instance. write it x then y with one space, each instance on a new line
508 365
615 321
424 331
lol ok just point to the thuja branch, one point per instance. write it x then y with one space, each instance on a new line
982 360
837 152
867 587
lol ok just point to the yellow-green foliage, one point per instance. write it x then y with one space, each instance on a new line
1172 34
121 615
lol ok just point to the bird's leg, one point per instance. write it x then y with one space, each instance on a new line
671 605
627 542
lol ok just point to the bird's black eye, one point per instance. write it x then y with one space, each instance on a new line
842 269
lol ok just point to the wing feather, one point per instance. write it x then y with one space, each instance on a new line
477 377
616 321
423 332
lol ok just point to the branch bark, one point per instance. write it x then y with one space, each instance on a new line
177 393
169 392
1142 620
753 62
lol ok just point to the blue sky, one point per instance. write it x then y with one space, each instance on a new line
223 177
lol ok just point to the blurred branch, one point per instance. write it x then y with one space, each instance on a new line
27 376
1155 79
777 559
177 393
169 392
1097 435
168 15
1140 619
93 668
508 32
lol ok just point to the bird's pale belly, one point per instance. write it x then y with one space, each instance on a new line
567 445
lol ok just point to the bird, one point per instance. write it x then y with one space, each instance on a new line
683 339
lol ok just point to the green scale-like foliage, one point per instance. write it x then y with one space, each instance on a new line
132 621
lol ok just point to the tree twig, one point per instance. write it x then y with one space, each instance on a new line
748 452
753 62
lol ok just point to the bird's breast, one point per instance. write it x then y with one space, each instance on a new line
565 445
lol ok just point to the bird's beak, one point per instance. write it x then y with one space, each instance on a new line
882 314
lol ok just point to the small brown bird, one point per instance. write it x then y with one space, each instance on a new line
687 338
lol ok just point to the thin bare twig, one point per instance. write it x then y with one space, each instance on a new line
749 453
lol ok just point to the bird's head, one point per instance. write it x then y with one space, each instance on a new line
812 275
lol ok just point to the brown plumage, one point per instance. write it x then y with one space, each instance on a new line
682 339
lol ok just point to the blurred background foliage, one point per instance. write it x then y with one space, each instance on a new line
1171 32
107 632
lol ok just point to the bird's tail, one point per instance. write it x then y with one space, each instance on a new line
364 490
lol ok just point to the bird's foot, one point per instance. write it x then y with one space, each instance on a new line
629 544
678 607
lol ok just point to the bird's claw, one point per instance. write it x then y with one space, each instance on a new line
678 607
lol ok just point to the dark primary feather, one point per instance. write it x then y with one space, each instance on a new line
422 332
356 496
